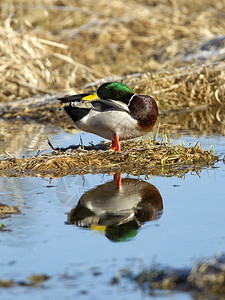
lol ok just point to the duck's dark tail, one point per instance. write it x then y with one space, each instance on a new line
72 98
75 113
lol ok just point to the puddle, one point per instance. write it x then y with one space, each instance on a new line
23 138
81 230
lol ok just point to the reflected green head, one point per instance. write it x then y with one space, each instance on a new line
115 91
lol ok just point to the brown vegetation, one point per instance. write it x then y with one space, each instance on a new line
50 46
137 158
173 50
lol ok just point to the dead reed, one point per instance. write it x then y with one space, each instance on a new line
137 158
49 46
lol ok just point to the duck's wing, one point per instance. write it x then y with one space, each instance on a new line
113 104
100 105
79 109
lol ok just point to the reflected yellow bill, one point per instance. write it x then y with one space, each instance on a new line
98 228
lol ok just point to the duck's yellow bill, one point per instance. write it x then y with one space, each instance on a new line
91 97
101 228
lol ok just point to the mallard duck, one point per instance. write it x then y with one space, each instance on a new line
118 212
113 112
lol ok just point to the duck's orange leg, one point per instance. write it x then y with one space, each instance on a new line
113 145
116 144
118 178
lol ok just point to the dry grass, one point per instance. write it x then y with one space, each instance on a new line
171 49
50 46
208 122
149 158
31 65
189 88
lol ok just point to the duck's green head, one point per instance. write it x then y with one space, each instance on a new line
115 91
111 91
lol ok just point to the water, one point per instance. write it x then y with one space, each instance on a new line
81 259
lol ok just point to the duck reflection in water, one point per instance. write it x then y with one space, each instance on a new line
118 208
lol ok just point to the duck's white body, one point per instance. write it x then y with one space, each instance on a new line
109 123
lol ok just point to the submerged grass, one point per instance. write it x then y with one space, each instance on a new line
32 280
137 158
206 279
6 211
